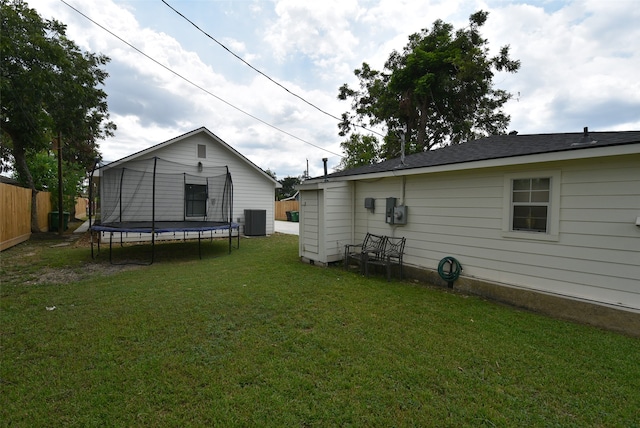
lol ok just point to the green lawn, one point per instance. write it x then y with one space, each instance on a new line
257 338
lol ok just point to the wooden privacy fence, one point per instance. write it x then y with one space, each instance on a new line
82 205
283 206
15 214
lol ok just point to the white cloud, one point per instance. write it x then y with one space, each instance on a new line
579 66
318 30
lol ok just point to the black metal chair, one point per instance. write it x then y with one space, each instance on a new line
392 255
370 249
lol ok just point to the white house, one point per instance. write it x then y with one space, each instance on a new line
199 152
556 215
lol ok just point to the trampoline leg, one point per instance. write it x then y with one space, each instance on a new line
110 245
199 250
153 246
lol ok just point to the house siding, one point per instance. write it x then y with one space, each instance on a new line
310 232
596 256
250 188
337 229
325 222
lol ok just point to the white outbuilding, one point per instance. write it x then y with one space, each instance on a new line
197 155
546 216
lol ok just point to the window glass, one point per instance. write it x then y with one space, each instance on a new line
196 200
522 184
540 184
202 151
532 218
540 196
521 196
530 204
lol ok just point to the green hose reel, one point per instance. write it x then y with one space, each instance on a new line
449 270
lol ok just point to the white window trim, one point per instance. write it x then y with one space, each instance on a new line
553 221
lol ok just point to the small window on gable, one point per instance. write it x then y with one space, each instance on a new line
202 151
532 205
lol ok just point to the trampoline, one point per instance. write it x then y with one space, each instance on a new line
174 227
142 199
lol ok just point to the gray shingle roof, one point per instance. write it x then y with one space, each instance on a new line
498 147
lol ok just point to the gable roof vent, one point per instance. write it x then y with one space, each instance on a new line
586 138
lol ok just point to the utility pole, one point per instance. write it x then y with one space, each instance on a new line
60 208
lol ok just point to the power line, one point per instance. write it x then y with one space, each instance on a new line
260 72
249 65
196 85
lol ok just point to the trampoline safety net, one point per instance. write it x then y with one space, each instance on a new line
157 190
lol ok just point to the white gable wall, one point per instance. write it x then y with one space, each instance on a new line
251 189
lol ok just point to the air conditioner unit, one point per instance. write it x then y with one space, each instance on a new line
255 222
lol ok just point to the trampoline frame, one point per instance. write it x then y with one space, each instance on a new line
157 228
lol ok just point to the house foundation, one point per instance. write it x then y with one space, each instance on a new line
610 317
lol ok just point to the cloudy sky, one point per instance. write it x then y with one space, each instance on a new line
580 62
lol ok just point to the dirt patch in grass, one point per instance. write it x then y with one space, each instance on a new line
44 259
67 275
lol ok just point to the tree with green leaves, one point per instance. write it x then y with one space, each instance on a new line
359 150
288 187
49 87
44 169
438 91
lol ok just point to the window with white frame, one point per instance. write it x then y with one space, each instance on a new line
532 205
530 200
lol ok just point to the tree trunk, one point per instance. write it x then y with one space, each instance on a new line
21 164
422 127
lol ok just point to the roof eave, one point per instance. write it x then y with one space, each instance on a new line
593 152
185 136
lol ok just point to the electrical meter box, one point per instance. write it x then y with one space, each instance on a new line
393 214
370 203
388 213
400 214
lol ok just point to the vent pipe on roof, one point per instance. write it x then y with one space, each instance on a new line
324 161
586 138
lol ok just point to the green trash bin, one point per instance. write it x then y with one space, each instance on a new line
53 221
295 216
